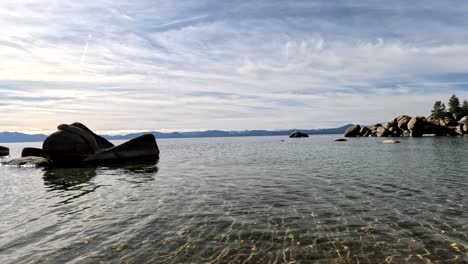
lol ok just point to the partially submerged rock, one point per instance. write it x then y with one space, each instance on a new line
4 151
341 139
140 148
391 141
76 145
27 162
69 145
298 134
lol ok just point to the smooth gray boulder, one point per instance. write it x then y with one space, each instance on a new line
4 151
352 131
142 148
33 152
298 134
27 162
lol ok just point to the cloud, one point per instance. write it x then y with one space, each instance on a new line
165 65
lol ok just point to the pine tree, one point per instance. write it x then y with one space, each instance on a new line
464 108
438 112
454 105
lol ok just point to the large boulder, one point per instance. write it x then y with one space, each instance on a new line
402 122
416 126
395 131
4 151
374 127
70 145
298 134
143 148
383 132
353 131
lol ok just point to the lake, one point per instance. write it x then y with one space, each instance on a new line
246 200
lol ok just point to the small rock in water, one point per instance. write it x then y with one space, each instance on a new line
33 152
4 151
391 141
341 139
298 134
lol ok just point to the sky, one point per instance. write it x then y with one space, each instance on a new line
139 65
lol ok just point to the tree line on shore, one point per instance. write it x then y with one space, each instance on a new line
439 110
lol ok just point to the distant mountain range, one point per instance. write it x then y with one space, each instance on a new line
6 137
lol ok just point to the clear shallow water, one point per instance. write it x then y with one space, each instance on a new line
246 200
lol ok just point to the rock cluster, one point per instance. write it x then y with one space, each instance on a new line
76 145
418 126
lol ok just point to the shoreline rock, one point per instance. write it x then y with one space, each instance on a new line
418 126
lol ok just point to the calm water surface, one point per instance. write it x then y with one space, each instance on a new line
246 200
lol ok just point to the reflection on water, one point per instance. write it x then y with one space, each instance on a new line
68 178
247 200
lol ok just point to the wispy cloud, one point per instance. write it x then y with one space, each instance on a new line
168 65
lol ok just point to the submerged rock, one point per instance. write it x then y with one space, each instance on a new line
27 162
4 151
298 134
353 131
